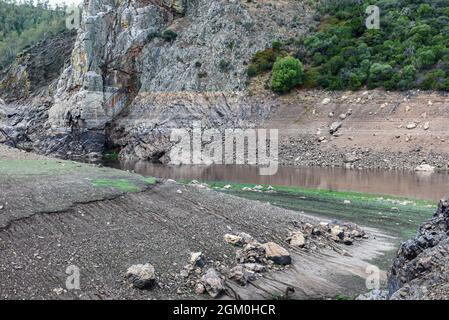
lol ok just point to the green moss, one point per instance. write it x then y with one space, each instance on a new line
399 216
149 180
124 185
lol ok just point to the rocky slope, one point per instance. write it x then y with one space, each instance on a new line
141 68
420 270
131 57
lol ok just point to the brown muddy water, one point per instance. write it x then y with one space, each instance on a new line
420 185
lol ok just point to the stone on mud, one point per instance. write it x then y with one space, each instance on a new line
233 239
141 276
334 127
242 275
197 259
276 253
297 239
213 283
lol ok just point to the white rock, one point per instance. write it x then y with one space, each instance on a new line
326 101
425 167
298 239
142 276
411 125
426 126
233 239
347 202
228 186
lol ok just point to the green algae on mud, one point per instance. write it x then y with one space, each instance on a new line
398 216
125 185
41 167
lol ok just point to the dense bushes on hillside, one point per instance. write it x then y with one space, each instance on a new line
410 50
23 24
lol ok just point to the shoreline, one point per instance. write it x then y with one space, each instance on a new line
106 228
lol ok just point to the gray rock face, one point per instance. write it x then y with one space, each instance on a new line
140 68
421 267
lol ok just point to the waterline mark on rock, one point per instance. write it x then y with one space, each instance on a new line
229 146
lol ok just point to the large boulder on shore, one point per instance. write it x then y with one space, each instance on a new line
276 253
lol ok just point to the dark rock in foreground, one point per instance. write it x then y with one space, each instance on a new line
421 268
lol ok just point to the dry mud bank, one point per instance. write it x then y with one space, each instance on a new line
81 216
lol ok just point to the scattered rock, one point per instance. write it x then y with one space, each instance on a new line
199 288
242 275
197 259
342 116
411 125
141 276
256 267
233 239
334 127
375 294
251 252
297 239
326 101
276 253
425 167
350 158
213 284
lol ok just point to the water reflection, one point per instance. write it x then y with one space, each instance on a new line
432 186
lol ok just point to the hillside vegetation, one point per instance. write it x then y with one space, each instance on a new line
410 50
24 24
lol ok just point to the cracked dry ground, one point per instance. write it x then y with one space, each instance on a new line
50 222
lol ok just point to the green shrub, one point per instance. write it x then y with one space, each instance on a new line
262 61
379 73
288 72
224 65
169 35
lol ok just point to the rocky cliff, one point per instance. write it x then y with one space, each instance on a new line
137 65
420 270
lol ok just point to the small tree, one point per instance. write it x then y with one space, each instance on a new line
287 73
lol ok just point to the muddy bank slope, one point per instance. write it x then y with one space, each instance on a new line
84 217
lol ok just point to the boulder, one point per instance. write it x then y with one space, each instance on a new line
335 126
213 283
297 239
276 253
425 167
411 125
141 276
